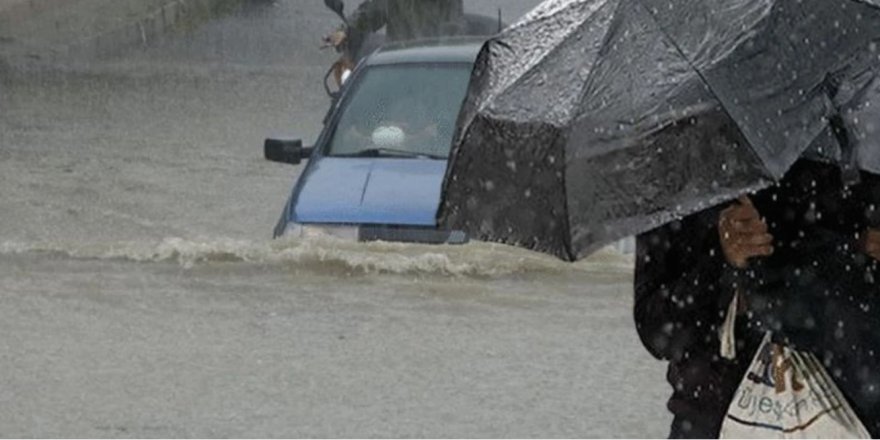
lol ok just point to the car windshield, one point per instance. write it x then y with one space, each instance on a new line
402 111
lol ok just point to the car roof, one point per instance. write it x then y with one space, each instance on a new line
446 50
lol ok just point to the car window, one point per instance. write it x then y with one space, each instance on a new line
412 108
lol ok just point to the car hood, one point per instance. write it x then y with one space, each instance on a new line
391 191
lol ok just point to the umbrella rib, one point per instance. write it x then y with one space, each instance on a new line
566 238
567 241
537 63
565 133
696 70
705 79
591 73
871 3
680 51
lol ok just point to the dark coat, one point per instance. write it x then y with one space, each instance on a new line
679 306
816 293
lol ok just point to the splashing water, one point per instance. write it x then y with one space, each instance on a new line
321 253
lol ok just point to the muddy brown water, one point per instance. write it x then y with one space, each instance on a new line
141 294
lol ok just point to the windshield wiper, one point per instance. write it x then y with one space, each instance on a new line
390 152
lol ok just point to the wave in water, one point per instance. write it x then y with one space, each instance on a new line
328 253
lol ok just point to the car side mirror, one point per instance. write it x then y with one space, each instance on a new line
286 151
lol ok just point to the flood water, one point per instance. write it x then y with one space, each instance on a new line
141 294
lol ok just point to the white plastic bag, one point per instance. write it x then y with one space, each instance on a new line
789 394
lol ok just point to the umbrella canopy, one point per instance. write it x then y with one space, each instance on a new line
592 120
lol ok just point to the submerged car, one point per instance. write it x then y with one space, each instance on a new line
376 170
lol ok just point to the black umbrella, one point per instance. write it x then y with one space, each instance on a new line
592 120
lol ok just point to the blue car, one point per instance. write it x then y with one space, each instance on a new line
376 170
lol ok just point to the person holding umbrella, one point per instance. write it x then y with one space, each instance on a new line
680 306
592 120
801 259
687 273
